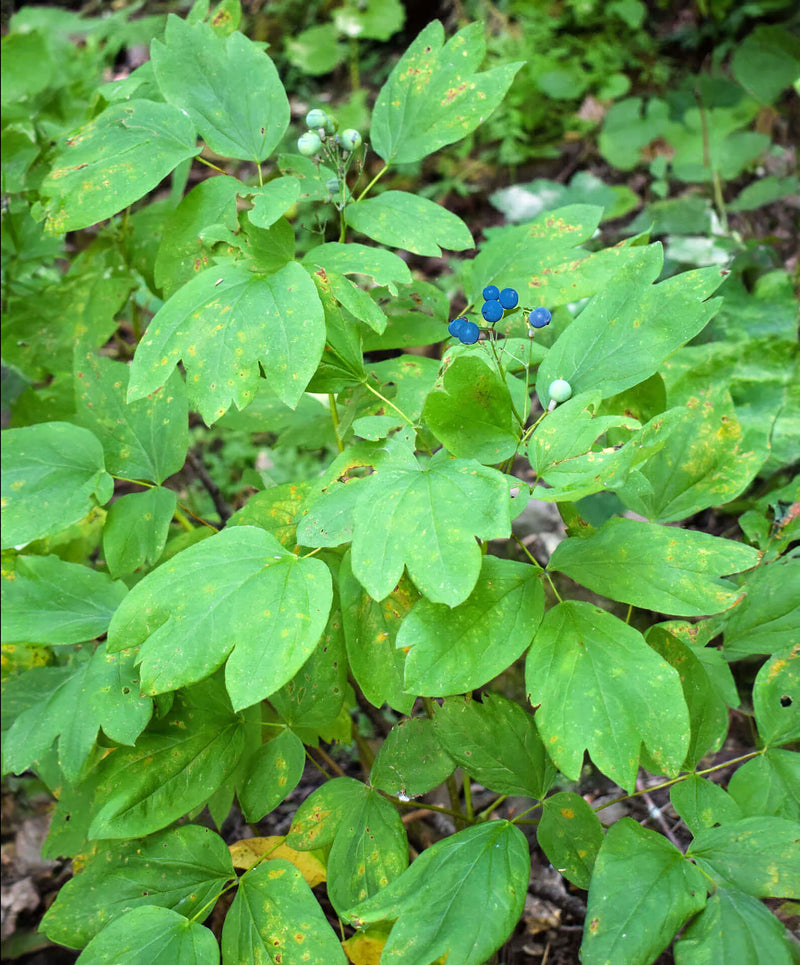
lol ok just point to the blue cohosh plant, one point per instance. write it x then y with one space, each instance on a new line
158 664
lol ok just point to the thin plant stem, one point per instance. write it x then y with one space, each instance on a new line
335 421
681 777
452 788
468 798
388 402
377 177
537 564
202 160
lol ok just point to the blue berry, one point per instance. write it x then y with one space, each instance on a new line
492 311
491 293
469 333
456 327
509 298
539 317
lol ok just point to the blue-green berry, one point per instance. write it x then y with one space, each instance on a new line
509 298
469 333
308 144
539 317
350 139
316 119
491 293
333 185
492 311
456 327
560 390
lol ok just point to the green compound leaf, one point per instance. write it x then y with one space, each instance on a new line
411 760
136 529
53 475
358 302
768 784
628 329
228 87
184 869
602 689
175 767
146 439
410 222
238 595
370 631
496 743
46 600
776 698
113 161
768 617
426 519
642 891
368 842
170 939
274 510
761 856
460 899
384 267
734 929
102 691
661 568
434 95
224 324
703 804
708 712
706 461
470 412
273 772
276 918
417 316
570 834
454 650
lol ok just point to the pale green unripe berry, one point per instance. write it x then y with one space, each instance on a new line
560 390
333 185
308 144
350 139
316 119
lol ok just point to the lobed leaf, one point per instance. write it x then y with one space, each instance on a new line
227 86
184 869
642 891
113 161
237 596
453 650
434 95
411 760
224 324
570 834
485 867
53 475
275 917
602 689
664 569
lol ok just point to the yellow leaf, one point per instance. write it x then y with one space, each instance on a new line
247 852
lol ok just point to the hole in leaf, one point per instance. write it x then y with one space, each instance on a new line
786 701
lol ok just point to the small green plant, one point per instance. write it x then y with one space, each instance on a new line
157 663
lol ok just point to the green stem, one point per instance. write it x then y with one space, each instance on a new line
468 798
377 177
202 160
183 521
681 777
538 565
388 402
335 421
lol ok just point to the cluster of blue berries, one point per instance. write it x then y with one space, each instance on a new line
496 304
